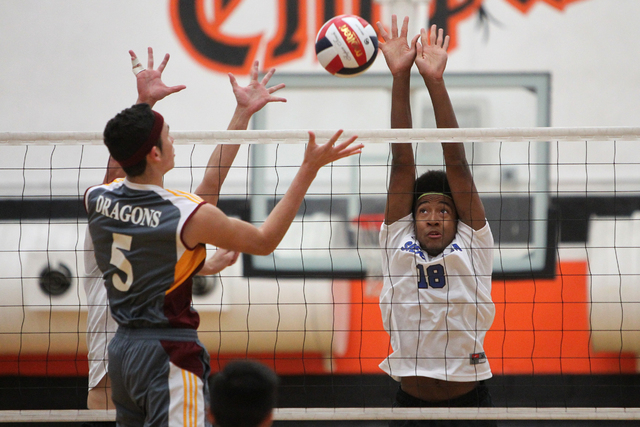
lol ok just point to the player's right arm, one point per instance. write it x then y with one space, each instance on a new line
399 56
210 225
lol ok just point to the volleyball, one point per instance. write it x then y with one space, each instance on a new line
346 45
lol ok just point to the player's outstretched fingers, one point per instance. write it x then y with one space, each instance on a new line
150 58
343 149
414 41
394 26
419 50
254 71
163 63
312 138
384 36
277 98
405 27
178 88
347 148
136 65
275 88
424 39
267 76
335 137
233 80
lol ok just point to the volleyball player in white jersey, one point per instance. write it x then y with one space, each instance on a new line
100 325
437 251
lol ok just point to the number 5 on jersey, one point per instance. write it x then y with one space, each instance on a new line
434 277
121 242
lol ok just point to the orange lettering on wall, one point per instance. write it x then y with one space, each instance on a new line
290 41
524 5
447 14
204 39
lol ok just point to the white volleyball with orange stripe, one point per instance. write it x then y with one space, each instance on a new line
346 45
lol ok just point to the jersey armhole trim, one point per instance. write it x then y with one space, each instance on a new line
86 197
202 203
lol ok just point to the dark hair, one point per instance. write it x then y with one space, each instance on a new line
243 394
433 181
126 132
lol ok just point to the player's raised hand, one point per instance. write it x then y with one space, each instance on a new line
151 88
398 53
431 58
317 156
256 94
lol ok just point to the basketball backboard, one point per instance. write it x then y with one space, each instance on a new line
512 176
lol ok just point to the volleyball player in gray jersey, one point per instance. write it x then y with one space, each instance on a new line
151 89
149 242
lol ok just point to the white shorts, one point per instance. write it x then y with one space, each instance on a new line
100 325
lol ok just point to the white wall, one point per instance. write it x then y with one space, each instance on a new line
591 50
64 63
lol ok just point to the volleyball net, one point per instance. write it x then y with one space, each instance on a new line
563 205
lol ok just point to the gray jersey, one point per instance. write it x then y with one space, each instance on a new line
137 235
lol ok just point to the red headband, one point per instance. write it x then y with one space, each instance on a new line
148 144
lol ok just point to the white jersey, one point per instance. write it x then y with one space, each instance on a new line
100 325
436 310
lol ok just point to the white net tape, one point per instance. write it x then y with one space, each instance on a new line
362 414
321 414
364 135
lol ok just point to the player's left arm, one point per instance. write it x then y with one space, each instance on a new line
221 259
249 100
431 60
114 171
